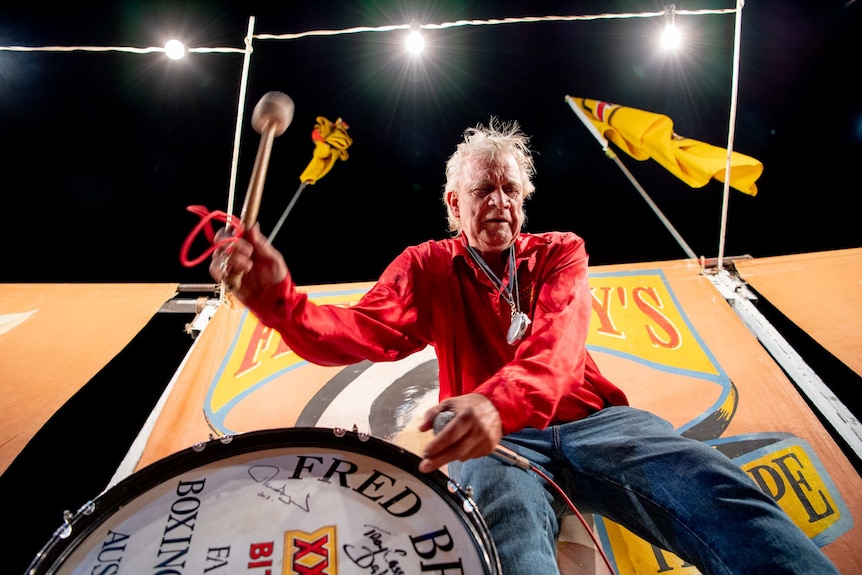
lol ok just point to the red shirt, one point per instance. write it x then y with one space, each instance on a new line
435 294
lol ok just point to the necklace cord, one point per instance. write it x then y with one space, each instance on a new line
504 290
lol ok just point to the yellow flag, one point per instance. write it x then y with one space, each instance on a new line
330 144
644 135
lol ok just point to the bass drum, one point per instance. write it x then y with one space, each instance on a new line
285 501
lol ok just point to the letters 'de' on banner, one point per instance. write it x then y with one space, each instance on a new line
659 330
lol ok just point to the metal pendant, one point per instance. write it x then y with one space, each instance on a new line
518 327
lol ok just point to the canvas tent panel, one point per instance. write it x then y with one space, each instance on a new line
660 330
820 292
54 338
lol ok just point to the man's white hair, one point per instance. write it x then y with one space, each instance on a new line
494 142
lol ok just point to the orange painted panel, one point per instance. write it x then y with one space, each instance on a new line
54 338
660 330
820 292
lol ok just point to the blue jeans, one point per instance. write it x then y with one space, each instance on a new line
633 468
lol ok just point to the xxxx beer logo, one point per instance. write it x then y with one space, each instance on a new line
304 554
310 553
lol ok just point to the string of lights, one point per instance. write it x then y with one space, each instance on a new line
667 13
414 43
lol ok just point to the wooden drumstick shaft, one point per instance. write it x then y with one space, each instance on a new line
270 118
254 193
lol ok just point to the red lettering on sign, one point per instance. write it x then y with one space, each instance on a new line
672 337
602 307
259 342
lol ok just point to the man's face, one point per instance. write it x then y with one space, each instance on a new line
490 204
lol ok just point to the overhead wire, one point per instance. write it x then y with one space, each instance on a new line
363 29
250 36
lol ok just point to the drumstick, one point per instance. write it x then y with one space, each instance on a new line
270 118
501 453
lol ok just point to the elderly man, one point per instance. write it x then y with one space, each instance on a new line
507 313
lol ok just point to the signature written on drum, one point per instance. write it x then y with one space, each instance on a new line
375 555
390 492
264 474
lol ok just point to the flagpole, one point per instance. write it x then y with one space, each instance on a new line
286 211
237 136
734 86
243 88
610 153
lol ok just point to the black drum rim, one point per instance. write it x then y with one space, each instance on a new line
98 510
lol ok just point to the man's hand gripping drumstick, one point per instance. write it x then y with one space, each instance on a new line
270 118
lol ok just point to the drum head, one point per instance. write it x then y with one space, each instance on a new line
298 500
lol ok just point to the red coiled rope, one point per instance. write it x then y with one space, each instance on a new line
205 225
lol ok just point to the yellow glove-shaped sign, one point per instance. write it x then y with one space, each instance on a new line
330 144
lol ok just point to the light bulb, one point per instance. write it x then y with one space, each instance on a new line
415 42
670 38
175 49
